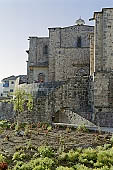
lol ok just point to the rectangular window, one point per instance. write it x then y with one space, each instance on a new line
6 84
12 82
79 42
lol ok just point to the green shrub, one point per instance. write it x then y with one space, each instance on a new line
105 158
104 168
2 158
107 146
63 156
16 156
99 148
1 130
64 168
17 127
45 151
36 164
73 156
18 165
81 167
82 128
23 124
111 139
27 130
42 162
88 156
49 128
4 124
19 156
39 167
22 166
26 167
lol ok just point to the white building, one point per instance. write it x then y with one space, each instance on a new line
9 84
1 89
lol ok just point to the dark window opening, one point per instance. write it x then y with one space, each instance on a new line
6 84
78 42
12 82
45 50
41 77
11 90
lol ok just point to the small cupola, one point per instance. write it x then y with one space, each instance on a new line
80 21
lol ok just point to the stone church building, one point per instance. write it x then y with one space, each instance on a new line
62 55
79 59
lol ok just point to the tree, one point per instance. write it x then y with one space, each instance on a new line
30 102
22 100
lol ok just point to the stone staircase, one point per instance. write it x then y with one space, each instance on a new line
46 88
51 100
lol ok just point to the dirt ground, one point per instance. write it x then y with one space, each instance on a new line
68 138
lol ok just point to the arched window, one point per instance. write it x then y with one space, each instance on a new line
81 72
45 50
41 77
78 42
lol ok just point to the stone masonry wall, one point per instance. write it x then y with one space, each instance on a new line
92 59
103 98
70 103
39 113
107 39
74 96
103 40
37 58
70 62
71 117
6 111
70 34
54 41
66 38
103 75
98 34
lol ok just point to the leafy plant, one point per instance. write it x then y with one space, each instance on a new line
46 163
63 156
73 156
4 124
49 128
19 156
22 101
17 126
68 130
63 168
111 139
107 146
45 151
19 100
27 130
81 167
30 102
18 165
82 128
29 145
88 156
1 130
2 158
36 164
104 158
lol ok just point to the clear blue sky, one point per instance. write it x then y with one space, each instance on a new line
20 19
